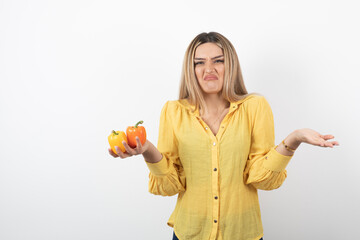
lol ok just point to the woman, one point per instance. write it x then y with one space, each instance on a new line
216 147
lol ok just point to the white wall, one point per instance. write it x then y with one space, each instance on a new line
71 71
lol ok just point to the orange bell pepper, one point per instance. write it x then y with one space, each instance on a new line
115 139
136 131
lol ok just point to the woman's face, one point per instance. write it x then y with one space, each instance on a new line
209 67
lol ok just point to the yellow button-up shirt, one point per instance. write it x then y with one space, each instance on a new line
217 177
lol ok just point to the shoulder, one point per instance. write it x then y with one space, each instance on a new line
172 108
257 106
253 101
256 101
171 105
253 98
258 112
178 105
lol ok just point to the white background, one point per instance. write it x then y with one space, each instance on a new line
71 71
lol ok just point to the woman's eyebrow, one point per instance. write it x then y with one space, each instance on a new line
212 58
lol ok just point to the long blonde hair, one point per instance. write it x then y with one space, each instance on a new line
233 89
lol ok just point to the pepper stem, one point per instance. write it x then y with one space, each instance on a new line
140 122
115 133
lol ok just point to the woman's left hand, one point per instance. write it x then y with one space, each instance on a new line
310 136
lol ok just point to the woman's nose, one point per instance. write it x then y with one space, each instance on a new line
209 67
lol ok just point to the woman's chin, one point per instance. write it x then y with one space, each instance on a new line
211 91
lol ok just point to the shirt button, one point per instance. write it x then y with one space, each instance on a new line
206 128
215 169
215 221
214 143
216 197
266 157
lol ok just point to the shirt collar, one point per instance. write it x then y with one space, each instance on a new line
233 105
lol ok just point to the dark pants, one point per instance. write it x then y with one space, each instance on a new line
175 237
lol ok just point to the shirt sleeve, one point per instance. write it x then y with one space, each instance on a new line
167 177
265 167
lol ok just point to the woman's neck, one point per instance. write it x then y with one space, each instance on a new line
214 105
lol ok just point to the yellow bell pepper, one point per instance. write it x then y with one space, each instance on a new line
116 139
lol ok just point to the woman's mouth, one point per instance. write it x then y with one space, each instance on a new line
210 77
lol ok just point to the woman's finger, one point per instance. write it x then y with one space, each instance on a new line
138 145
334 143
329 144
121 153
326 137
128 149
112 153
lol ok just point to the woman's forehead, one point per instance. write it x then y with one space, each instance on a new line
208 50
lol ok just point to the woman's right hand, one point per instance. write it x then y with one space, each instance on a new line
140 149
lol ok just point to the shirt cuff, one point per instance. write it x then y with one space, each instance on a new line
160 168
276 161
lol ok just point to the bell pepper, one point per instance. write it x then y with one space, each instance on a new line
136 131
116 139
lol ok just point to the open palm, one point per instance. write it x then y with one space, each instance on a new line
310 136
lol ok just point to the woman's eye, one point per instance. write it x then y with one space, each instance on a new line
216 61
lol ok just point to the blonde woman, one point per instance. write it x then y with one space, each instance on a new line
216 148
